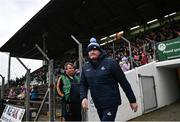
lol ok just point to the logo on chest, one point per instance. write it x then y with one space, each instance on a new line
87 70
103 68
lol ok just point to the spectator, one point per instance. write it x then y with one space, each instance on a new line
144 59
68 89
12 94
22 93
101 74
34 95
125 65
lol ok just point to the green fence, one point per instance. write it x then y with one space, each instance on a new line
169 49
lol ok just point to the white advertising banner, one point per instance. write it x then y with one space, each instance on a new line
12 114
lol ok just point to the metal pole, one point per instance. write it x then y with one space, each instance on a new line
80 52
154 48
50 86
2 87
113 50
130 53
40 108
27 85
9 70
80 57
44 36
22 63
43 53
51 92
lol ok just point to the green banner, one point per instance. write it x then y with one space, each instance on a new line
169 49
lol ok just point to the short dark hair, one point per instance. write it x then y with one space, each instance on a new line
68 63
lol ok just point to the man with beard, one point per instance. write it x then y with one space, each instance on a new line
101 74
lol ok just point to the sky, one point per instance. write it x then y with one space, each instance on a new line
13 15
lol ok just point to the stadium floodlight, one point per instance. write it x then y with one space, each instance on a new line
112 35
121 32
154 20
172 14
103 43
110 41
103 38
135 27
166 16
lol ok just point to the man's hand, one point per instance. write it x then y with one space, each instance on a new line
85 104
134 106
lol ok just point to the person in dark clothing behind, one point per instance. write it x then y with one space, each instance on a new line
34 95
68 87
101 74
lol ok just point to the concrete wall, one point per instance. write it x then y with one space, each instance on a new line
166 82
124 110
167 91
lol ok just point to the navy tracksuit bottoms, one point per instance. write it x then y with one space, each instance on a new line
107 114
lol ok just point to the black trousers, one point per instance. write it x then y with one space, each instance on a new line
71 111
107 114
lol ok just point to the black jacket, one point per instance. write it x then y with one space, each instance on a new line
102 79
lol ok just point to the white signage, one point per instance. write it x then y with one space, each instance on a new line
12 114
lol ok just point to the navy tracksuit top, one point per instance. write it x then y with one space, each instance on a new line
102 79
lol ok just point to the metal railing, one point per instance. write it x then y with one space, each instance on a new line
2 87
50 90
27 87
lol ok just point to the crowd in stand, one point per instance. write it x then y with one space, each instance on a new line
144 45
19 91
143 49
143 52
